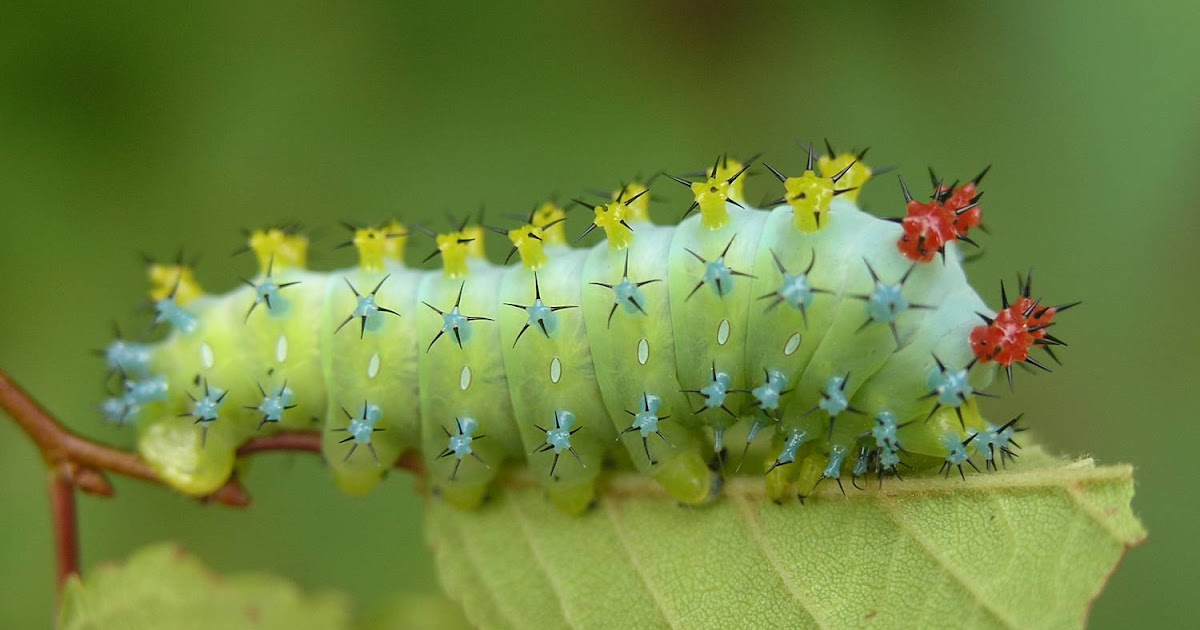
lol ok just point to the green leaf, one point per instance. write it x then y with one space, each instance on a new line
1031 546
161 587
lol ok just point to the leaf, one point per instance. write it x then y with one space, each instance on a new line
162 587
1028 547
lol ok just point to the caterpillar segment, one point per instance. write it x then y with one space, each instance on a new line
814 341
628 316
555 397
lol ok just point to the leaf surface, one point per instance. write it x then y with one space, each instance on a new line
161 587
1027 547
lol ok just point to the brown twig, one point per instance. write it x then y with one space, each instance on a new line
76 462
66 528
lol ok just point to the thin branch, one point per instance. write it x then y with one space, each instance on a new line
66 528
83 462
77 462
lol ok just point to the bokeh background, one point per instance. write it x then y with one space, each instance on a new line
139 126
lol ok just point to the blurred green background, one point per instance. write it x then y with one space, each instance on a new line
130 126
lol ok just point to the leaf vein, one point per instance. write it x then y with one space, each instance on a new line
753 527
1076 495
907 529
555 585
633 561
470 556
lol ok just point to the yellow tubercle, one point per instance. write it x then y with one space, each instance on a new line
855 178
711 197
173 280
638 208
475 247
728 169
454 248
277 249
528 241
372 245
613 218
549 217
809 195
397 240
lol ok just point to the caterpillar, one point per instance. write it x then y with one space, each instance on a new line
810 341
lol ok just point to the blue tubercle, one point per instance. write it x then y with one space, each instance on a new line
718 276
628 296
457 324
886 431
120 410
833 398
360 427
152 389
886 303
273 405
837 456
559 438
888 459
790 449
131 359
767 395
951 386
169 311
206 409
795 290
459 444
956 452
267 292
367 308
995 440
542 317
646 420
715 392
863 464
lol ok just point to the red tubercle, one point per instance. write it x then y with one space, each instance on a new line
1007 338
963 204
948 217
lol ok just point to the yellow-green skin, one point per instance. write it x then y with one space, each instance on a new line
597 369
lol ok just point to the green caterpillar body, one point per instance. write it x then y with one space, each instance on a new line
817 352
